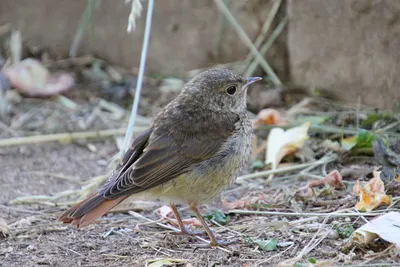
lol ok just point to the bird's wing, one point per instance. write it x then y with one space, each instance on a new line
158 161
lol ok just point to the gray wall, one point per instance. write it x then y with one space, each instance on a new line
350 47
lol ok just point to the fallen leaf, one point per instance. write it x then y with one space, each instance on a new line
309 194
373 117
244 202
269 116
164 262
29 77
356 188
344 231
375 184
369 202
334 179
363 139
266 245
4 229
282 143
217 216
386 227
372 195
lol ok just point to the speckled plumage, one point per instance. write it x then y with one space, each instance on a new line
191 152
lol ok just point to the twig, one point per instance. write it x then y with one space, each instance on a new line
264 30
264 49
63 137
242 34
299 214
142 66
273 256
310 246
83 24
286 169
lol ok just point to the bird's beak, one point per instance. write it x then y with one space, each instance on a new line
252 80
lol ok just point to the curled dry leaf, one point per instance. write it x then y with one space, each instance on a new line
269 116
372 195
356 188
282 143
386 227
244 202
29 77
334 179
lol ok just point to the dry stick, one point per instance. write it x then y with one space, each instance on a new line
64 137
264 31
83 24
311 246
273 256
286 169
264 49
242 34
299 214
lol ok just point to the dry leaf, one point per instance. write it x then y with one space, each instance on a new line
375 184
244 202
269 116
282 143
29 77
4 229
386 227
334 179
372 195
356 188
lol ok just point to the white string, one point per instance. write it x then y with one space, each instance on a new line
143 57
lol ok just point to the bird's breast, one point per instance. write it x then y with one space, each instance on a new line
209 178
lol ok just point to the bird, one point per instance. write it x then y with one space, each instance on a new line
191 152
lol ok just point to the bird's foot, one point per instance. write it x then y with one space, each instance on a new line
219 243
222 243
188 232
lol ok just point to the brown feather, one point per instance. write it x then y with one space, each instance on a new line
89 213
65 217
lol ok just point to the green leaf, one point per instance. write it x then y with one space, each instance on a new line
344 231
217 216
258 164
374 117
266 245
312 260
363 139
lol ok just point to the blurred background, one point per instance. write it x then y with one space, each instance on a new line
348 48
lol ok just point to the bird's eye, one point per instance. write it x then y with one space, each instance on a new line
231 90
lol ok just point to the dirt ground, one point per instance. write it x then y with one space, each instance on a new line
36 239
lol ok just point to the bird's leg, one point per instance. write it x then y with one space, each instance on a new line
184 230
213 241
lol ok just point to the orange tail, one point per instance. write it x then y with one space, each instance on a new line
88 210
